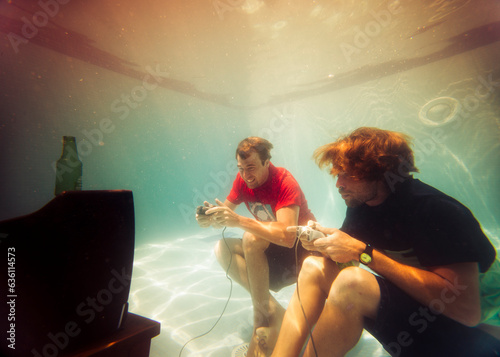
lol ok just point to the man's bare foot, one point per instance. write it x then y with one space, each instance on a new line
264 338
255 348
267 337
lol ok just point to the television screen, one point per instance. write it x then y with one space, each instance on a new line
66 272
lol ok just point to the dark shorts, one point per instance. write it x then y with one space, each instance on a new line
407 328
282 265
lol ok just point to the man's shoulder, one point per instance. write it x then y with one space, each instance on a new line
415 187
417 200
277 170
281 174
414 190
430 193
429 203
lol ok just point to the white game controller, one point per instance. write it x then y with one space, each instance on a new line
305 232
312 234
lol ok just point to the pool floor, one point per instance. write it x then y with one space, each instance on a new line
180 284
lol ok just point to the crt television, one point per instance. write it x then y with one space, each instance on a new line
66 273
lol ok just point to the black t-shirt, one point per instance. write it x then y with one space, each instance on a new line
421 226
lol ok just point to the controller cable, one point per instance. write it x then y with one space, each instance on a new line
228 298
297 269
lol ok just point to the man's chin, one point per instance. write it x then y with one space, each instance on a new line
351 203
251 185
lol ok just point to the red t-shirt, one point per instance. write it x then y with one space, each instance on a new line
280 190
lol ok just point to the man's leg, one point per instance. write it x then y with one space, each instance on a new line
268 313
258 276
249 268
354 295
314 282
230 251
334 302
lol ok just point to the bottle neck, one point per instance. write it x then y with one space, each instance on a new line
69 148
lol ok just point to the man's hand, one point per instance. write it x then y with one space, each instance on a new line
316 226
223 216
319 227
206 220
337 245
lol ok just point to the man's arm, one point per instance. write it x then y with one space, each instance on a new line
230 205
274 232
453 288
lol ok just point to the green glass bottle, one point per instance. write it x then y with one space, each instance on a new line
69 168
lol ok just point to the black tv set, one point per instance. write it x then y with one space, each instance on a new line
66 273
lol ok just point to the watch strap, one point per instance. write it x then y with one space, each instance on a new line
367 256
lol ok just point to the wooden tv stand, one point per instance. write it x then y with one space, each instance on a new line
133 340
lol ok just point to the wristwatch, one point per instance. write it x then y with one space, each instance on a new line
366 257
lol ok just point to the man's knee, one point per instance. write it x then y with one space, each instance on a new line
225 248
313 265
314 269
351 280
253 243
220 250
356 286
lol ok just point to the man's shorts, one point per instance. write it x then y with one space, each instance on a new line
407 328
282 265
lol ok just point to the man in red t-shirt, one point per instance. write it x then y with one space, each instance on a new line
264 259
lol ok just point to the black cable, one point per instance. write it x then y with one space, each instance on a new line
297 268
228 298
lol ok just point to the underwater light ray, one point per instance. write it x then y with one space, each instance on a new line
473 185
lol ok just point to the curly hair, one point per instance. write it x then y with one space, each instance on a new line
254 144
368 154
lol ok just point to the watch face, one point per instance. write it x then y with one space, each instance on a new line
365 258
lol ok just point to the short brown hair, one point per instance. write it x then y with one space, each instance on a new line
368 153
253 143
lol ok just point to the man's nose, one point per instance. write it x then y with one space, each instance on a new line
340 182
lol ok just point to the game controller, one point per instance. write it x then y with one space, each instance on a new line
305 231
312 234
202 210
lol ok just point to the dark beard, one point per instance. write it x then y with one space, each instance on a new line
352 202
